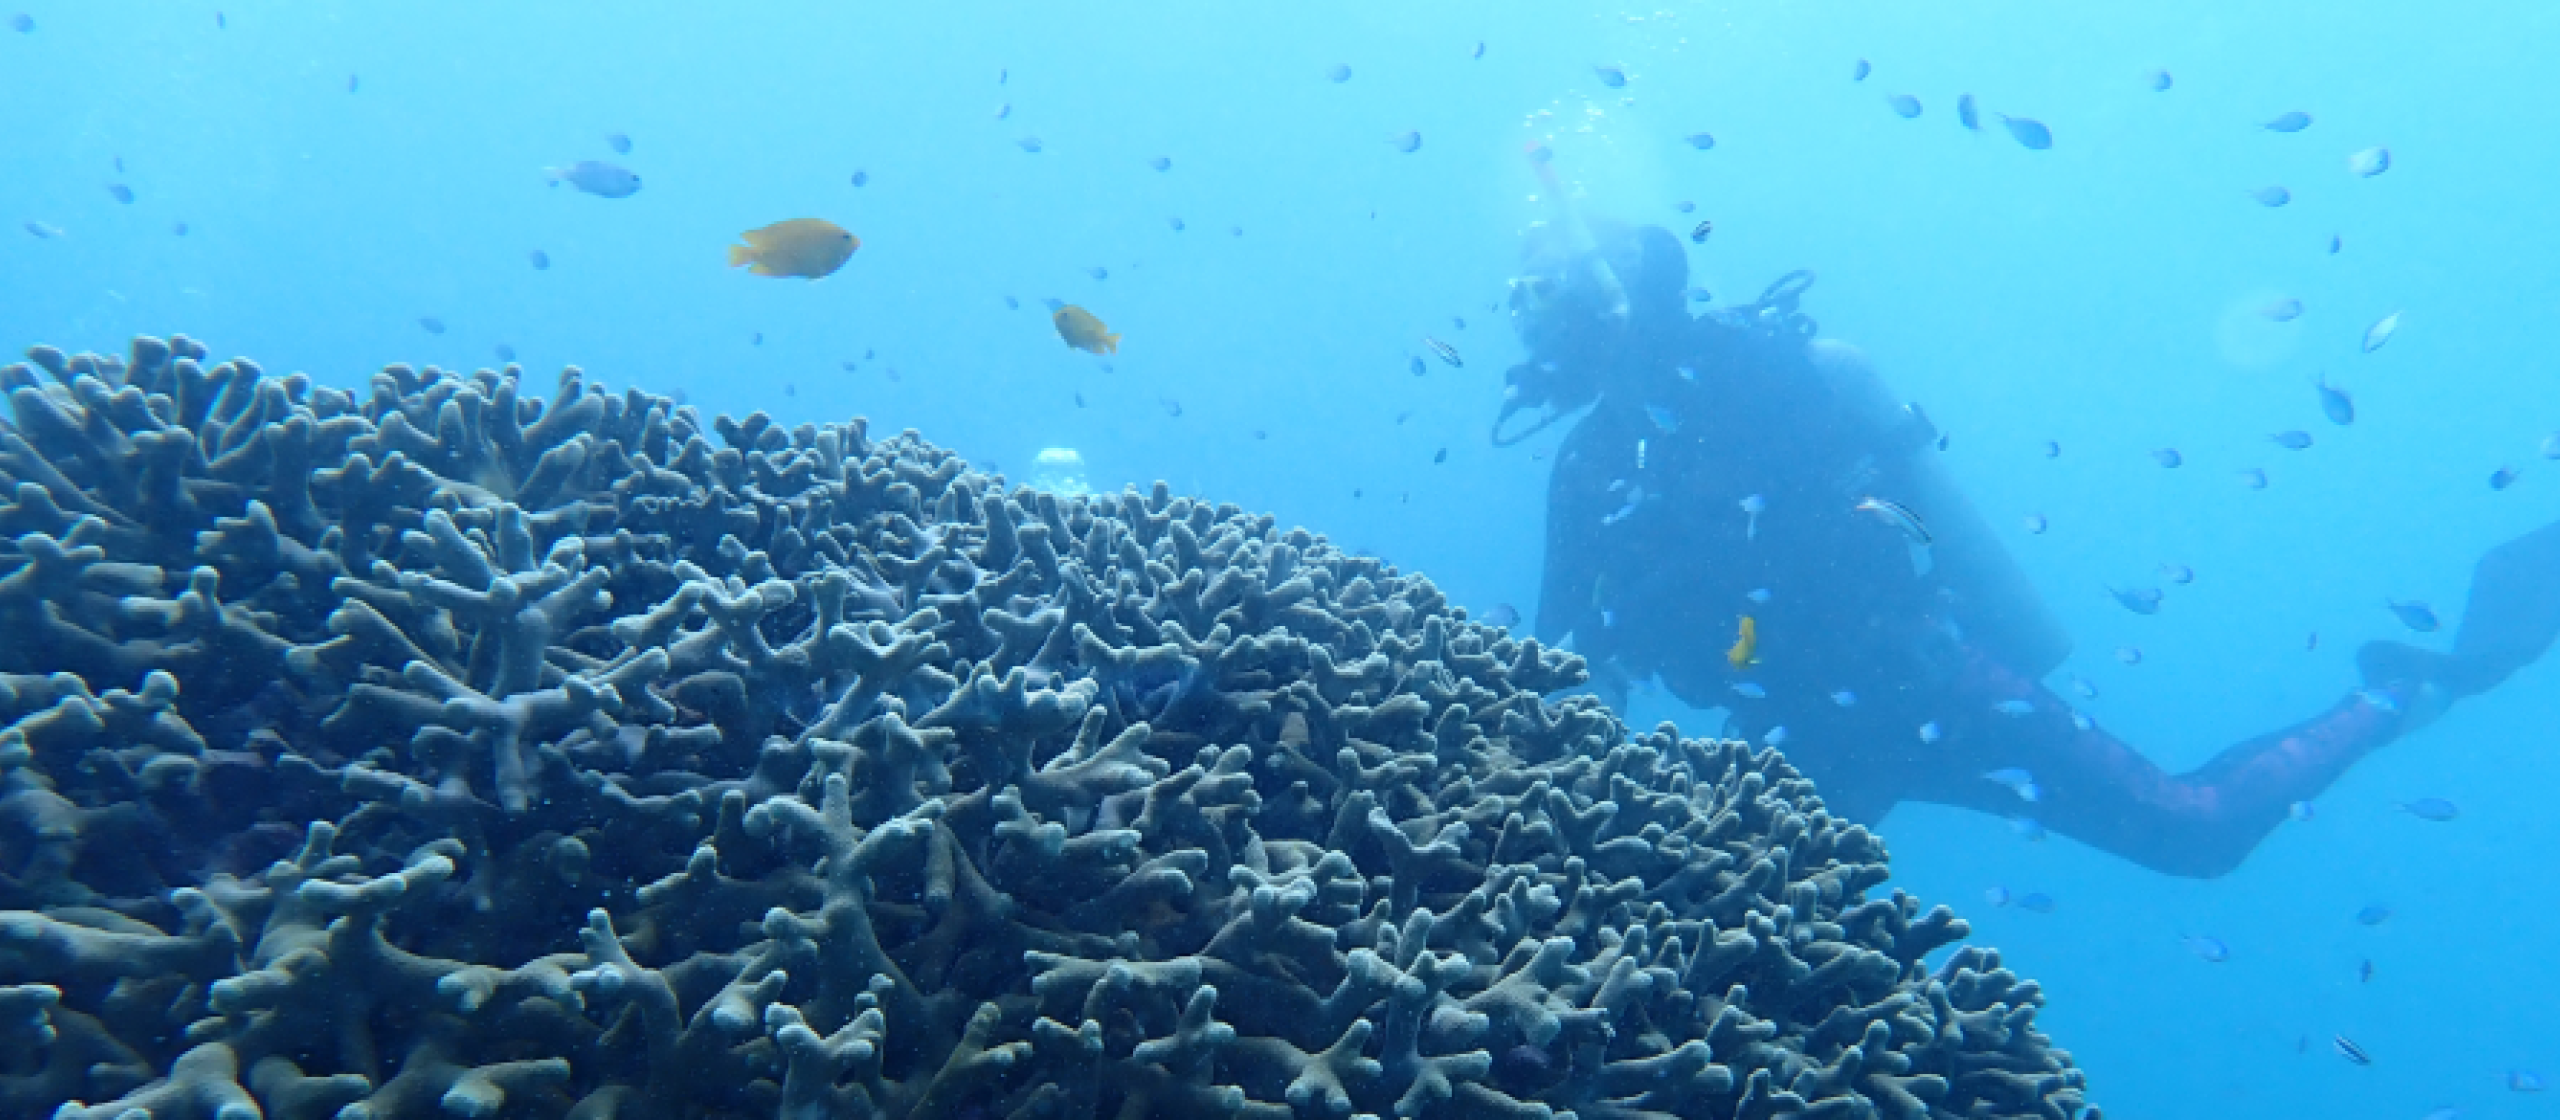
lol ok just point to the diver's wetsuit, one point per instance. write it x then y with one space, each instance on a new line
1652 561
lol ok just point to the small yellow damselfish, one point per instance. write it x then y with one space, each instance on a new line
1746 647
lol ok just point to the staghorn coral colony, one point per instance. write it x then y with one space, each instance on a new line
443 751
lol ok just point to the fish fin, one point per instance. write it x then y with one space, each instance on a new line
1111 344
740 254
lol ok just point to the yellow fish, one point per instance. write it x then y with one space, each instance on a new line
803 247
1084 332
1745 651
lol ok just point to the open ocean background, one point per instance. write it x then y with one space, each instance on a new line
2104 294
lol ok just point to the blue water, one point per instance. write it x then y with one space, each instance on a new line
2103 294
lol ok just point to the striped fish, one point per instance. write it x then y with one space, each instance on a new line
1446 352
1893 513
2347 1048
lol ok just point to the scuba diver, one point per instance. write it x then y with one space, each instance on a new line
1745 513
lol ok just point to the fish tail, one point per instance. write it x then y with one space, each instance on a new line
1111 344
740 254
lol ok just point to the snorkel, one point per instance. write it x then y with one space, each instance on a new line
1586 269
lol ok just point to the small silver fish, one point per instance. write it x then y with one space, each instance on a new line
2015 708
2373 915
2294 440
1859 72
1703 141
1699 233
1662 418
2253 478
2210 949
1030 144
540 260
2381 331
1003 110
1903 105
1997 896
1966 115
1408 141
598 178
2347 1048
2502 478
2028 829
2335 403
2035 523
2431 809
2081 721
1614 77
2052 449
2036 902
2284 310
2030 134
1845 698
2525 1081
2301 811
1894 514
2158 80
2414 614
2018 782
620 143
1701 295
1161 163
2139 600
1749 691
2167 457
120 193
2177 573
1479 51
1176 223
1929 732
1338 73
1447 354
2130 655
860 179
1757 594
507 353
2271 196
1685 206
1503 615
2294 121
1440 456
1172 407
1417 367
2370 162
2086 690
43 231
1776 736
1098 272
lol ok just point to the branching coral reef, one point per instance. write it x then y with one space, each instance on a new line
440 750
